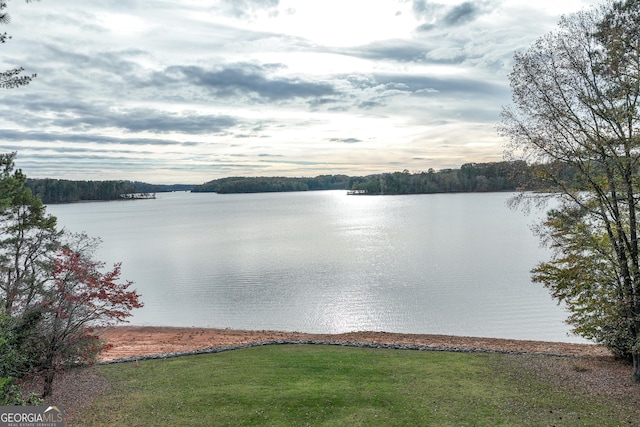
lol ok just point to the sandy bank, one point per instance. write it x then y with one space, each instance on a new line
131 341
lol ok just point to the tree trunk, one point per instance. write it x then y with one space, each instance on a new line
636 367
48 373
48 383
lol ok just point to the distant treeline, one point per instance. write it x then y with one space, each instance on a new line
68 191
143 187
274 184
471 177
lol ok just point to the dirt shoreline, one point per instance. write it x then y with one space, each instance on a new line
136 341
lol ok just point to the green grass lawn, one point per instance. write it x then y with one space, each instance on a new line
291 385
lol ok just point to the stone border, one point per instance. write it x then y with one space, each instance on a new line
416 347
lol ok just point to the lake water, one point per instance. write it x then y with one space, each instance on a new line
326 262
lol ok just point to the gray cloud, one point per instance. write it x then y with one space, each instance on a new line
319 102
148 120
461 14
244 79
413 51
82 116
13 135
424 85
438 14
368 105
393 50
346 140
425 9
67 149
246 9
423 28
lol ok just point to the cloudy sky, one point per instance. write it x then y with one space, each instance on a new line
187 91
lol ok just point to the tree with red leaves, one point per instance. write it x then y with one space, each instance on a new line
80 298
51 288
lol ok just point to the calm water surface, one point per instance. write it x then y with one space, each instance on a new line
327 262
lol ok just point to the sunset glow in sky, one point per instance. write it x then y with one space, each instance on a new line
188 91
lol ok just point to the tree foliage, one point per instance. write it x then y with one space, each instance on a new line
11 78
471 177
583 274
80 298
28 239
575 102
14 361
273 184
53 293
67 191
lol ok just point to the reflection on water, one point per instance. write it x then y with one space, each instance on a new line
327 262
